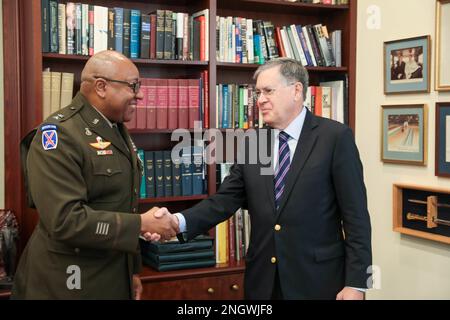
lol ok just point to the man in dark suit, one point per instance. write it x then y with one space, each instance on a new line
83 173
310 228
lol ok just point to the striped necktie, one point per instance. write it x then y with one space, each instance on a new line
284 162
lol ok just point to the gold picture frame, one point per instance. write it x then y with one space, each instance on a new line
404 134
442 50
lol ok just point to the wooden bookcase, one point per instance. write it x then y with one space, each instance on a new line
24 62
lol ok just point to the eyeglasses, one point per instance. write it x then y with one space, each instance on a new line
135 86
268 91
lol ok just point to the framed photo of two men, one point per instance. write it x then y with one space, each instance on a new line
404 134
442 149
407 65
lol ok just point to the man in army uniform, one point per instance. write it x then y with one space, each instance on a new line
82 174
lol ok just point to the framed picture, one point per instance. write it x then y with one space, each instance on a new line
442 148
442 66
404 134
407 65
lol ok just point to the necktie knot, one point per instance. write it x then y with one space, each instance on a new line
283 136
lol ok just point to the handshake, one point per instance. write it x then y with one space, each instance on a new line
159 223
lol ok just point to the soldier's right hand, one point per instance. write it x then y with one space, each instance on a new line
160 222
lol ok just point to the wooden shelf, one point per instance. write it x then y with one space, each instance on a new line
72 57
150 275
304 6
253 66
4 294
173 199
147 131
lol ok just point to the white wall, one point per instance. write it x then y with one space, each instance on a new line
411 268
2 135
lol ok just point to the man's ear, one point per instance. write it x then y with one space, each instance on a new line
100 87
298 91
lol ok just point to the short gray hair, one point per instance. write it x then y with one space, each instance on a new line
291 70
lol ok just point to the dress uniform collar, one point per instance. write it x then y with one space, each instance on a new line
102 126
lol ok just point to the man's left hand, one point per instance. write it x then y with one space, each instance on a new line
137 287
350 294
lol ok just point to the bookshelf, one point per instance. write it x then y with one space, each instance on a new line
23 100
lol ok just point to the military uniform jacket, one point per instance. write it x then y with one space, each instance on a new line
83 178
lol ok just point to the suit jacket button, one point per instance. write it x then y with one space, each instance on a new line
77 250
277 227
273 260
109 170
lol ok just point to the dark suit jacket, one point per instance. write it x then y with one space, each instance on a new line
324 198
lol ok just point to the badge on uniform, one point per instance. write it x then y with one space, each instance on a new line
104 152
100 144
49 137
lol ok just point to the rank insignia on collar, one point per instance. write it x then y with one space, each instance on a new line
95 121
100 144
49 139
88 132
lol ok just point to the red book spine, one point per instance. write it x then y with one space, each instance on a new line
194 101
173 103
153 36
202 37
161 104
183 104
280 42
206 94
151 103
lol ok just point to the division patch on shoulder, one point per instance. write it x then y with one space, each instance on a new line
49 137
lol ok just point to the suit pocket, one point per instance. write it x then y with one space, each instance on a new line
105 166
61 248
329 252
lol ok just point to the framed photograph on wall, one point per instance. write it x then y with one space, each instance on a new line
442 66
404 134
442 148
407 65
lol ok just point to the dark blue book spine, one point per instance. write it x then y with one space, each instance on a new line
150 174
118 26
197 175
159 173
167 173
186 172
135 34
176 176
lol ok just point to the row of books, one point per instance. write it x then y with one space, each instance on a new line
172 103
232 235
244 40
173 255
236 107
57 91
82 29
332 2
165 176
329 100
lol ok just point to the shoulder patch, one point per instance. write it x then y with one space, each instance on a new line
49 138
49 127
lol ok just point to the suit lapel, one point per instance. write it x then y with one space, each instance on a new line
268 178
99 125
305 145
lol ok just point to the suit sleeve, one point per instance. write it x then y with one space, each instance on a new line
218 207
60 194
352 200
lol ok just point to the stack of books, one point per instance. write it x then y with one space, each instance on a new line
173 255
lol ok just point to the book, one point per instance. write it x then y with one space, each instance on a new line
66 89
179 265
201 242
179 256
